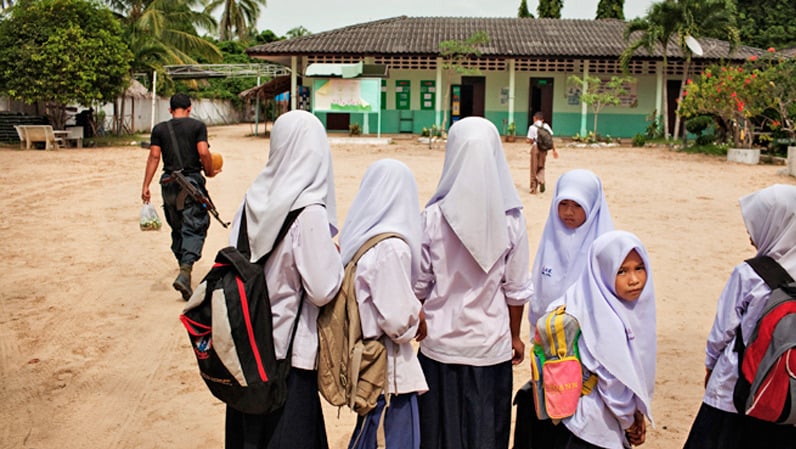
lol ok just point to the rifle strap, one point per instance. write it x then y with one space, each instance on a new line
174 143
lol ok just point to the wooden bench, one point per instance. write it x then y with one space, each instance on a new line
30 134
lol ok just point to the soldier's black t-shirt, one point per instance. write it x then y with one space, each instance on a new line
188 132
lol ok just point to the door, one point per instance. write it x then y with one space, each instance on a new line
476 93
338 121
540 98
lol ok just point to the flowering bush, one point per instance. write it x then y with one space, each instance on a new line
764 88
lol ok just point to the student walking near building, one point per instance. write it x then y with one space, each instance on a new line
540 136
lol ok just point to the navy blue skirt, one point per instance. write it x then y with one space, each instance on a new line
401 425
466 407
717 429
297 425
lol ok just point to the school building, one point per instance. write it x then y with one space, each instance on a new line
387 75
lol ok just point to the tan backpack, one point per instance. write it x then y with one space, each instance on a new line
352 371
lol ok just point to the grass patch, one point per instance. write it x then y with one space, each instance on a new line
710 149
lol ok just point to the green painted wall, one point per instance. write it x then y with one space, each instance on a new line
616 121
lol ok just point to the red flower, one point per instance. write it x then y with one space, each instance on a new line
771 50
753 58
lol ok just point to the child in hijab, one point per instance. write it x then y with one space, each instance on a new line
387 202
770 218
614 302
303 272
474 284
578 215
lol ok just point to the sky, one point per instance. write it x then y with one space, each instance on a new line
280 16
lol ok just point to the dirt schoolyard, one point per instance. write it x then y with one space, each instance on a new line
92 354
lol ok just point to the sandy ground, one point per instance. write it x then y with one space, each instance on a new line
92 354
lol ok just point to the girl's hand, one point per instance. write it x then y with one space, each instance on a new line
518 354
707 376
637 432
421 328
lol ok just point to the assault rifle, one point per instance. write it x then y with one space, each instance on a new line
196 194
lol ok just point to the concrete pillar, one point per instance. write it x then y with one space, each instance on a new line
792 161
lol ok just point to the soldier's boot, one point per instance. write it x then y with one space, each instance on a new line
183 282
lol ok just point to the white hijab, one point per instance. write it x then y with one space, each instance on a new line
476 189
298 173
387 201
770 218
620 335
562 251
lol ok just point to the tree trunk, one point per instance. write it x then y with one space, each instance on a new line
680 98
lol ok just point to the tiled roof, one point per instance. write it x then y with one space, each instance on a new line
509 37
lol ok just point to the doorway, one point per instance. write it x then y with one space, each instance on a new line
540 98
468 98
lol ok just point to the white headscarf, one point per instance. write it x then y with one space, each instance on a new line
620 335
476 189
387 201
562 251
298 173
770 217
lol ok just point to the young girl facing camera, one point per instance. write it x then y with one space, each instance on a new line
578 215
614 302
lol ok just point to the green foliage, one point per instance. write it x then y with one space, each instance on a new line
61 52
523 12
654 126
354 129
611 9
454 54
599 94
297 32
763 89
767 23
237 17
511 129
697 125
639 140
550 9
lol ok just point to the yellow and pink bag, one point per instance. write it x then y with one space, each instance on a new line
558 377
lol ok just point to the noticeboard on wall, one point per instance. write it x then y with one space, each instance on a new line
402 94
346 95
428 94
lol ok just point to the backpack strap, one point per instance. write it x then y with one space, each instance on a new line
774 276
770 270
371 242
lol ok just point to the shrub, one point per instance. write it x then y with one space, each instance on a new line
639 140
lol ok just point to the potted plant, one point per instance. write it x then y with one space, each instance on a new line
354 129
511 132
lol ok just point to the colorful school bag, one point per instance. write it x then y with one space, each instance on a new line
228 319
766 386
558 377
352 370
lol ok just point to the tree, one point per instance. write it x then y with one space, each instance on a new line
237 17
599 94
653 31
297 32
454 56
702 18
550 9
61 52
767 23
523 11
611 9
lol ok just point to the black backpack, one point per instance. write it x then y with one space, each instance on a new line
544 140
235 348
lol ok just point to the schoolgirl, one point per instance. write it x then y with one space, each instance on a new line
613 300
474 284
578 215
387 202
770 218
303 272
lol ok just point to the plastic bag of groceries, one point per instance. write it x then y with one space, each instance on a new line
149 219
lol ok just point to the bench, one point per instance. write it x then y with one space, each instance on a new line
74 134
30 134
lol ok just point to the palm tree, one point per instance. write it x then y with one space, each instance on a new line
703 18
240 16
163 32
651 32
